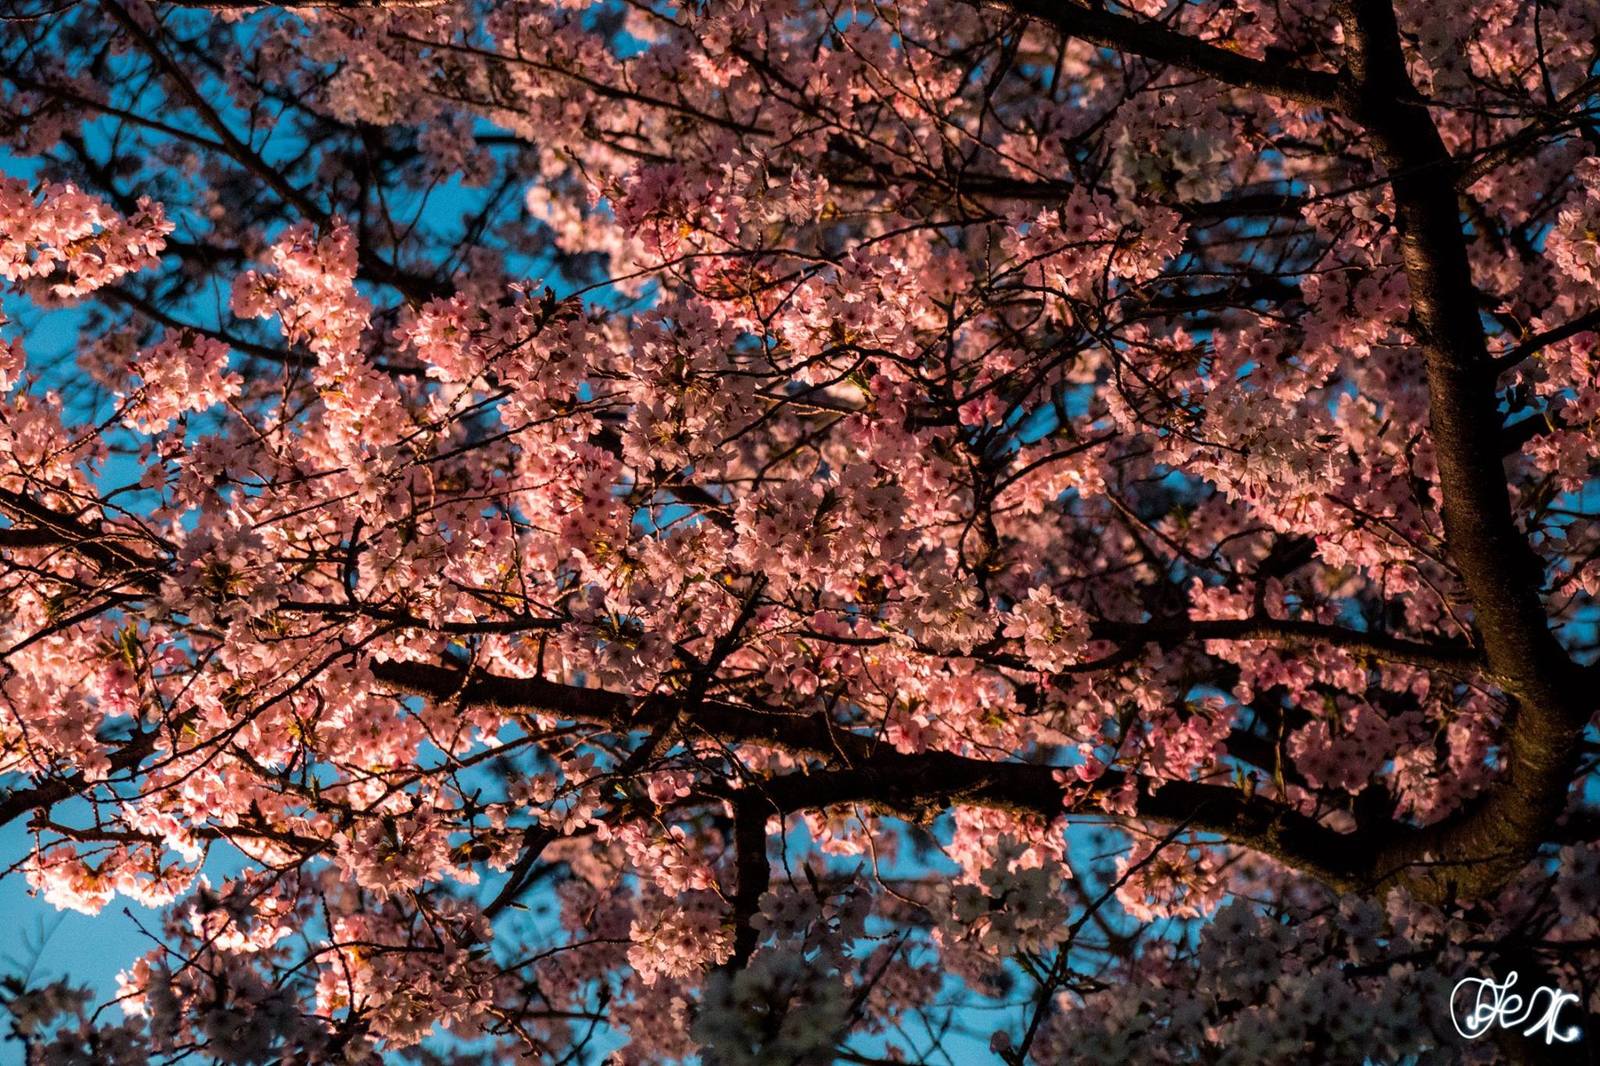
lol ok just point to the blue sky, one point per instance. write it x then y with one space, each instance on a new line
45 943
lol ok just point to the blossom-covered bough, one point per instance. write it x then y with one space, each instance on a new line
803 532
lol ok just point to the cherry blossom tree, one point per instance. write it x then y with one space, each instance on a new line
773 531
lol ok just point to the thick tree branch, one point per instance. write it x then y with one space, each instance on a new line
1476 852
106 549
46 792
1539 341
752 873
1155 42
864 771
1450 658
14 537
912 785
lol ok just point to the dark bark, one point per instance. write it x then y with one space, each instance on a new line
917 786
1159 44
1475 852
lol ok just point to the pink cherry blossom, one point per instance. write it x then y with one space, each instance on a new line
755 532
